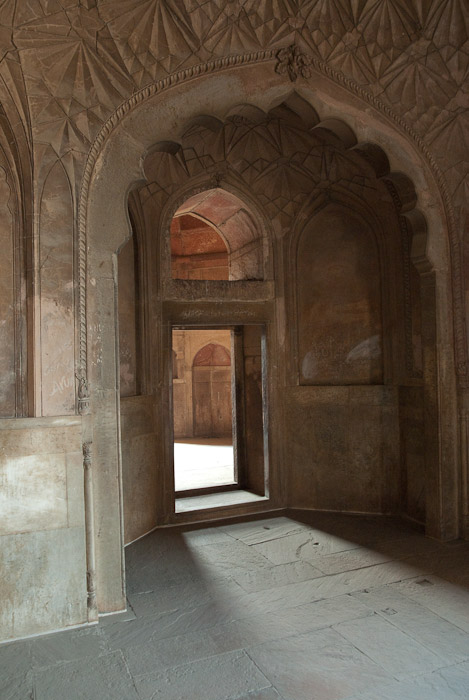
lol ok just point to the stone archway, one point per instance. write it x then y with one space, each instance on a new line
139 129
211 391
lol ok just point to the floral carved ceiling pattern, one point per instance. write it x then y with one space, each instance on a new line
82 58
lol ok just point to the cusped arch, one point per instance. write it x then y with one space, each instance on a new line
152 115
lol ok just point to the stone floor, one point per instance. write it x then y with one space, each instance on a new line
311 607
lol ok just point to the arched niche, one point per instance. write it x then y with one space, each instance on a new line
197 250
16 384
57 298
231 218
128 318
338 300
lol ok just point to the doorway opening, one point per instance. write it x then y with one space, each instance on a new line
202 409
219 413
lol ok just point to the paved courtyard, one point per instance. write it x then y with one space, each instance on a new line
202 462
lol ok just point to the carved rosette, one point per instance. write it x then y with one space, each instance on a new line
292 62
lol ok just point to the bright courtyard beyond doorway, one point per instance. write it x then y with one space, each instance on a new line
203 462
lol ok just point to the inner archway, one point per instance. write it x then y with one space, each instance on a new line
214 236
268 306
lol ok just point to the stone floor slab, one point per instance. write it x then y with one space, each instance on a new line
265 530
190 624
15 665
105 677
70 645
320 665
280 575
357 558
433 686
265 694
393 650
239 634
445 599
440 636
284 549
222 677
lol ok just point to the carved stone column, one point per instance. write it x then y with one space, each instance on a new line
90 547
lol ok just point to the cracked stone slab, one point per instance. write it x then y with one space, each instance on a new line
445 599
322 543
347 561
172 624
280 575
174 651
284 549
320 665
440 636
222 558
265 530
221 677
295 594
189 594
393 650
104 677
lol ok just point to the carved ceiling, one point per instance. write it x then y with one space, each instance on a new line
81 58
279 157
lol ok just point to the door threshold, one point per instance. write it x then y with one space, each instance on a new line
189 504
205 490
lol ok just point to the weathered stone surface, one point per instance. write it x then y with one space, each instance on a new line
139 475
16 680
436 634
338 669
42 526
36 600
280 575
349 448
128 320
34 496
206 637
294 112
57 295
221 678
8 300
393 650
444 599
105 676
339 316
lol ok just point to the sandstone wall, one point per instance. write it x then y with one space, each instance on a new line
42 530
